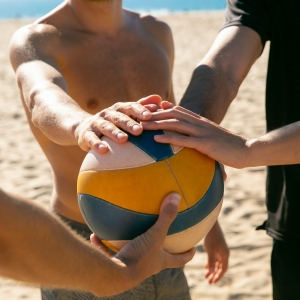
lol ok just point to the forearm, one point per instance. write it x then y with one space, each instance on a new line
37 248
55 113
216 80
208 93
278 147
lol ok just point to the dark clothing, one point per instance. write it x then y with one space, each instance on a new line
168 284
277 21
285 274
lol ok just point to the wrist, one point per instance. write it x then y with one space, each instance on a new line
115 278
252 153
74 128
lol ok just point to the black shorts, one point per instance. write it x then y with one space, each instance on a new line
285 266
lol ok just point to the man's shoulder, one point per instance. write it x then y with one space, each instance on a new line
33 40
155 25
157 29
35 31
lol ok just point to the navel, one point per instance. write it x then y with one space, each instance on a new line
92 103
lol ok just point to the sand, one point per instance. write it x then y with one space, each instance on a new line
25 170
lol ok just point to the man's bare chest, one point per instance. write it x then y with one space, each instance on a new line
99 75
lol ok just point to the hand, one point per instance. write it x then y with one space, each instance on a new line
218 254
144 255
199 133
107 122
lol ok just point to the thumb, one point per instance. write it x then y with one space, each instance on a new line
97 243
168 213
152 99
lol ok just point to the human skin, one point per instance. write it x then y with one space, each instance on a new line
214 85
277 147
74 68
30 236
78 69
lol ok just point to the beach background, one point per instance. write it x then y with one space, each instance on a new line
24 169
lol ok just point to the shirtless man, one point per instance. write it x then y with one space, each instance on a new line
74 67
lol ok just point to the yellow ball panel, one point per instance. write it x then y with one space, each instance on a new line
188 173
194 172
127 188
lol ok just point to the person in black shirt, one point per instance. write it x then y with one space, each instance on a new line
215 83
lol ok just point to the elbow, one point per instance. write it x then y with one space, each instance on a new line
216 72
35 103
33 106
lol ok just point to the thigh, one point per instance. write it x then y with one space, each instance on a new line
285 266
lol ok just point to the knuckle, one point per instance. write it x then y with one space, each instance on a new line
130 123
118 118
103 113
117 106
105 125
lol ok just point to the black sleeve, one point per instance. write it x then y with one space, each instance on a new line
251 13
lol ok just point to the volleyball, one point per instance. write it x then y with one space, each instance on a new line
120 192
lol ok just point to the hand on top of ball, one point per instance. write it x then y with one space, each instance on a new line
113 121
194 131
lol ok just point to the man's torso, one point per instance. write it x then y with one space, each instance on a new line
100 70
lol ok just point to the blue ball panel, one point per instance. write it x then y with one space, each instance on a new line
146 142
110 222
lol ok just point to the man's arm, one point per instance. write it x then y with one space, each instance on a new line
34 52
29 239
215 82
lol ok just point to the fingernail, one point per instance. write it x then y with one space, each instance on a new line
175 199
136 127
146 113
158 137
121 135
102 147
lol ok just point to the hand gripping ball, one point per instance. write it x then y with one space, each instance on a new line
120 192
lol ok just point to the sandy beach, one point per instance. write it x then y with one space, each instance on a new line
25 170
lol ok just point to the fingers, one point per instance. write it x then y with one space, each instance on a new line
217 264
152 107
89 140
97 243
211 267
215 272
152 99
116 120
166 105
181 141
168 212
176 112
134 109
224 174
179 260
175 125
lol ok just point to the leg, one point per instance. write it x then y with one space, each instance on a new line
285 265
